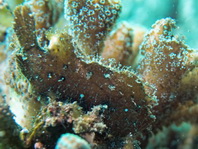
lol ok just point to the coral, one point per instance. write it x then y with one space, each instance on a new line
71 141
90 21
90 76
187 110
64 116
9 130
91 121
46 13
54 116
166 61
119 45
182 136
109 84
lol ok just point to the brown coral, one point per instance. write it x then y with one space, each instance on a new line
119 45
75 66
90 21
70 76
166 62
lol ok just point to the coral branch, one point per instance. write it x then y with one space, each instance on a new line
185 112
90 21
165 61
77 81
25 27
58 71
119 45
46 13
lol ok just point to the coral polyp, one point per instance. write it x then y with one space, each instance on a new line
90 21
63 73
103 85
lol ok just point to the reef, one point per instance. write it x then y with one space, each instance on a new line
72 77
67 141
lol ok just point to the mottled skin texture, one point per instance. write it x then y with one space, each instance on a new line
66 76
57 71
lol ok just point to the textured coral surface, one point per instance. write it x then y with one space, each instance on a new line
73 76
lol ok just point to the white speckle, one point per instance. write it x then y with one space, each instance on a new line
82 96
74 4
61 79
24 131
121 93
107 76
153 116
129 85
89 75
111 87
50 75
172 55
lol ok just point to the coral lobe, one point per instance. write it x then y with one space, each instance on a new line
79 80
